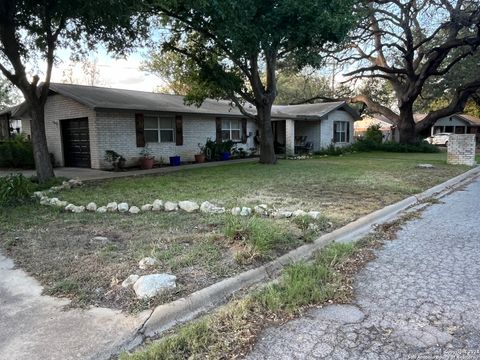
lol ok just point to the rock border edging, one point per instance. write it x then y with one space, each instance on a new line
188 206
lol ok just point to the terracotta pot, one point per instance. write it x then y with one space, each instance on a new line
200 158
146 163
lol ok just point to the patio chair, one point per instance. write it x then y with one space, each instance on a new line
307 149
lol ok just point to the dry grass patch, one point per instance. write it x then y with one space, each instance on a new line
231 331
56 248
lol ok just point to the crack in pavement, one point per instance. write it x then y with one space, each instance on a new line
419 297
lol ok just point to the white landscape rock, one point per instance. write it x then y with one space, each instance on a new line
134 210
261 210
151 285
209 208
91 206
58 203
69 207
112 206
299 213
425 166
282 214
99 240
75 182
147 262
236 211
102 209
132 279
53 201
188 206
66 185
147 207
38 194
246 211
61 204
123 207
78 209
314 214
158 205
171 206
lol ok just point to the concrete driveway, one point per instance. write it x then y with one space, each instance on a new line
34 326
420 299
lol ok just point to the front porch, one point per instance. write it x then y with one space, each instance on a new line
293 137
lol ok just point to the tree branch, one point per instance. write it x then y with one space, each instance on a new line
376 107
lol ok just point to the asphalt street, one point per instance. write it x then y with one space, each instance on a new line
419 299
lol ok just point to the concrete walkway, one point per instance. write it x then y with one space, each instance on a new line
420 299
92 174
33 326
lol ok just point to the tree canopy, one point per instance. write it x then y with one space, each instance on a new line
233 49
32 32
411 44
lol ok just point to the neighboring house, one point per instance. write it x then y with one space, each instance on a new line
82 122
387 127
10 122
457 124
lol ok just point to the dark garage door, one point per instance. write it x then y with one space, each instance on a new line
76 142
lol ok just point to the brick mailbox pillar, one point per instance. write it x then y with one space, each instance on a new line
461 149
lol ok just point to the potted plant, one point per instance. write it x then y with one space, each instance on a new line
116 160
226 150
175 160
147 160
200 157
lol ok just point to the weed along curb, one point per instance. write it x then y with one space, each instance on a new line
164 317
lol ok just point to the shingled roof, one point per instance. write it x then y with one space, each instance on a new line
102 98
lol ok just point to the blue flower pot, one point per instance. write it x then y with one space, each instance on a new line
225 156
174 160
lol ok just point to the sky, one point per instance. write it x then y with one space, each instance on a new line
115 73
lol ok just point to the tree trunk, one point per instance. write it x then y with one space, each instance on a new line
267 150
41 155
406 125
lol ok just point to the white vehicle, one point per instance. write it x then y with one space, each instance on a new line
439 139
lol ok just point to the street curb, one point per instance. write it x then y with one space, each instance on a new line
166 316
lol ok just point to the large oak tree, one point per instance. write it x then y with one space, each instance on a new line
232 49
33 30
413 44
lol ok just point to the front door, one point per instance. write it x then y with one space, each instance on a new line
76 142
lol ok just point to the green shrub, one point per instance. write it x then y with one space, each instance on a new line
17 153
391 146
214 150
333 150
373 134
15 189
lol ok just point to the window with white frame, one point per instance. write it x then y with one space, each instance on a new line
231 129
159 129
340 131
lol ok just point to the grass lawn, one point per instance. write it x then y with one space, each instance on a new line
56 247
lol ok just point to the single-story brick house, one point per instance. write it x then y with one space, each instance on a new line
82 122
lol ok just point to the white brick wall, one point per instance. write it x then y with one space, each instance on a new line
114 130
461 149
60 108
117 132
